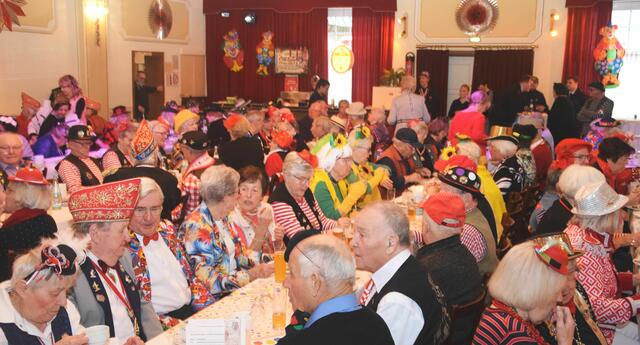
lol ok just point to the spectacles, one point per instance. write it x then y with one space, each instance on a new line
300 179
581 156
10 148
153 210
82 142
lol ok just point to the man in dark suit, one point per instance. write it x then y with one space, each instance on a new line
320 282
431 99
577 97
510 102
317 108
146 154
141 96
399 290
536 97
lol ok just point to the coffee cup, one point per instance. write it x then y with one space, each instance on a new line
98 335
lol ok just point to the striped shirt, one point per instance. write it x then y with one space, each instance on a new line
284 215
70 174
496 327
110 160
474 241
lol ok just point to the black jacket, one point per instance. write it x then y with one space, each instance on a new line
562 120
509 103
578 99
167 182
242 152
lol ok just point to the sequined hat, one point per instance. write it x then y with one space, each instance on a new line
109 202
195 140
4 180
461 174
597 199
143 145
558 238
502 133
553 256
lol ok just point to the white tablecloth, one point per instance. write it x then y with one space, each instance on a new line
255 298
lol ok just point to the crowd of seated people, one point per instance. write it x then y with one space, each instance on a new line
174 212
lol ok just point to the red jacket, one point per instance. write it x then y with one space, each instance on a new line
542 156
471 124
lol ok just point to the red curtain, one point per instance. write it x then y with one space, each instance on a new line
372 49
583 24
290 30
501 68
214 6
436 62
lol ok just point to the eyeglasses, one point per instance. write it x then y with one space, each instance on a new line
11 148
300 179
153 210
581 157
82 142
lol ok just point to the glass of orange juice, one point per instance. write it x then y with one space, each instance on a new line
280 266
278 316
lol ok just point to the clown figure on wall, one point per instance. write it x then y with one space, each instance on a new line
265 53
608 56
233 53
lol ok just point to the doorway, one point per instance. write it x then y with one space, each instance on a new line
460 72
152 64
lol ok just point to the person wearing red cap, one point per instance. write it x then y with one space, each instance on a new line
105 292
447 260
28 198
526 288
243 149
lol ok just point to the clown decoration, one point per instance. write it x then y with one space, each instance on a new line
10 10
608 55
265 53
233 53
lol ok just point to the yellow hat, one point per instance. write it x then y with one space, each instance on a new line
182 117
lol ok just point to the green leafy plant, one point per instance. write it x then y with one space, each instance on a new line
391 77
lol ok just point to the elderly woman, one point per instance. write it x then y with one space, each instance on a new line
28 198
252 215
598 217
509 174
33 305
613 156
294 206
218 255
471 121
360 140
407 106
573 296
159 260
243 149
526 287
435 141
525 135
335 196
119 155
71 90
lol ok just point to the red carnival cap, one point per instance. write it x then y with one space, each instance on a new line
109 202
554 257
445 209
29 175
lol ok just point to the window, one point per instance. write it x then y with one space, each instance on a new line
626 14
339 33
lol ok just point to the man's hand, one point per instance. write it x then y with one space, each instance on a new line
79 339
134 341
160 88
565 326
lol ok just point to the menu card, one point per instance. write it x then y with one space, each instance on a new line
216 332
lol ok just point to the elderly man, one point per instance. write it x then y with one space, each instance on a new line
320 282
408 106
105 293
401 292
449 262
78 169
459 177
399 159
11 148
256 119
316 109
597 106
146 155
141 95
160 262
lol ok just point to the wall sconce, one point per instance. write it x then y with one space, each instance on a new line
552 24
474 39
96 10
402 21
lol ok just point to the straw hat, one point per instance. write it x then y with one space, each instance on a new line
356 109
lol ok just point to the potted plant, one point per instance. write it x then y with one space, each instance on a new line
391 77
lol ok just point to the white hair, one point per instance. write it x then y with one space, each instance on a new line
217 182
29 195
394 218
470 149
505 147
294 165
576 176
254 115
148 186
329 257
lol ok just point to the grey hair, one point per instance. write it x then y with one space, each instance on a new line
438 228
148 186
505 147
575 176
324 123
28 195
394 217
609 223
294 164
408 83
132 128
151 160
330 258
253 115
217 182
82 229
470 149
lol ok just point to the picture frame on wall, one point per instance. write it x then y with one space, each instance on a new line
292 60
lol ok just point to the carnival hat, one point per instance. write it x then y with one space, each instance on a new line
109 202
597 199
29 175
502 133
333 149
196 140
92 104
143 144
182 117
81 132
339 122
408 136
356 109
29 102
558 238
445 209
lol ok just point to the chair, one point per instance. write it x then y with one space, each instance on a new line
473 311
515 222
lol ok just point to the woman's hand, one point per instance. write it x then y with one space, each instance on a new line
565 326
261 271
344 222
386 183
79 339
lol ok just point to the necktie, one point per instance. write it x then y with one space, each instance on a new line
366 292
147 239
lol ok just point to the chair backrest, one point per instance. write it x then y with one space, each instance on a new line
471 312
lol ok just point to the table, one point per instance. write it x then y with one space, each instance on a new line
255 298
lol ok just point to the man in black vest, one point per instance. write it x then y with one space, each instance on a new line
400 291
448 261
105 293
320 282
79 169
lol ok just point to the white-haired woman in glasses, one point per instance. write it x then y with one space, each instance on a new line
33 305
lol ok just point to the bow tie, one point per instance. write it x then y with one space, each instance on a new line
104 266
147 239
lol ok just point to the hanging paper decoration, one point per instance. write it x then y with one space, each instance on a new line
608 55
265 53
10 10
233 53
